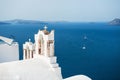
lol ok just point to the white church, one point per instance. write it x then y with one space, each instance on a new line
44 45
39 61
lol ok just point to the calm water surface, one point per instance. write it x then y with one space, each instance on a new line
101 58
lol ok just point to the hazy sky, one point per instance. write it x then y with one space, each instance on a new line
60 10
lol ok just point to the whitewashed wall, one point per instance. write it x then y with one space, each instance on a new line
9 52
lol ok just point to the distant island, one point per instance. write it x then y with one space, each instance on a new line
20 21
2 23
116 21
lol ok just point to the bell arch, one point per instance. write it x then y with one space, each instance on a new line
40 45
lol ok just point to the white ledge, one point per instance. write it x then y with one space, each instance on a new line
7 40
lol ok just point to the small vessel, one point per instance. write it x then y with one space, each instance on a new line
85 37
83 47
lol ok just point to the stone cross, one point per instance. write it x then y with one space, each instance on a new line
45 27
29 40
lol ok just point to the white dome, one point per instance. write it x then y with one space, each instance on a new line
78 77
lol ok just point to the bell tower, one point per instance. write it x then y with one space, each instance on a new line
44 42
44 45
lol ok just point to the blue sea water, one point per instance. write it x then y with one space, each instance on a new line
101 58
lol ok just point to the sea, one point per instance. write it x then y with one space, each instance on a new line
91 49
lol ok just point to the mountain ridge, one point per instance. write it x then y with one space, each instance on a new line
21 21
115 21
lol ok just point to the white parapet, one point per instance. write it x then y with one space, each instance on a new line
58 72
55 66
52 60
9 52
7 40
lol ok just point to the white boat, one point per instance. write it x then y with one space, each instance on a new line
83 47
85 37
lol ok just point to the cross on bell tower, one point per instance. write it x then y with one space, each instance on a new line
29 40
45 27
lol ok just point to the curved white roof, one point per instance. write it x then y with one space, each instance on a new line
78 77
7 40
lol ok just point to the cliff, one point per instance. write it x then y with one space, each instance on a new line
115 22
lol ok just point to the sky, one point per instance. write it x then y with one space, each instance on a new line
60 10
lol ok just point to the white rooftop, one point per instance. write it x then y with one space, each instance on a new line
32 69
78 77
6 40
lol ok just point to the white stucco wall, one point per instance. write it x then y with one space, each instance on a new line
31 69
9 52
